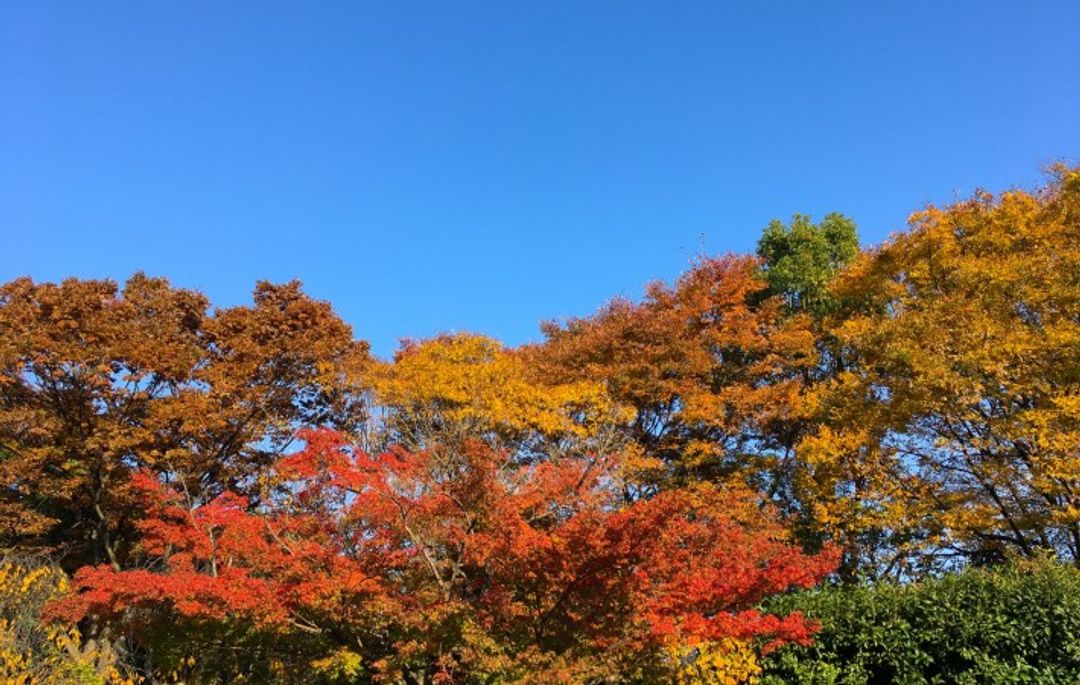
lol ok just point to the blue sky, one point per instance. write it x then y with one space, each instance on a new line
432 166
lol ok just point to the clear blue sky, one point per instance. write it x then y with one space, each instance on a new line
456 165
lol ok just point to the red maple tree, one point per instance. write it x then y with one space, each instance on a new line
448 564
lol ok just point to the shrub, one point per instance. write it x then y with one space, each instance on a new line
34 652
1018 623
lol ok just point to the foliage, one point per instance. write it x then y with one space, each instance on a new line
727 662
455 388
800 259
36 653
1014 624
953 429
96 382
455 567
714 373
245 495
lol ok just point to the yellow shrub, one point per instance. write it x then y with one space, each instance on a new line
33 652
727 662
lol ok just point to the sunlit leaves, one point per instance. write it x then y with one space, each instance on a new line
505 568
963 343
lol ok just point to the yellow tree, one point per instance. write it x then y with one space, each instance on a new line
454 388
954 427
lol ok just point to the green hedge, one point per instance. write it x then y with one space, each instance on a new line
1015 624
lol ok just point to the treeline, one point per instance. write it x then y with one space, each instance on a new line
248 495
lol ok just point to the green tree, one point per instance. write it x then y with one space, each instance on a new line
801 258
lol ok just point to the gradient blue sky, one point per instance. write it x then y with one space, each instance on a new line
432 166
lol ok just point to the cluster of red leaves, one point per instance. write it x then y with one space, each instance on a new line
221 560
533 554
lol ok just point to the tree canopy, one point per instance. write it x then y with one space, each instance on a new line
246 494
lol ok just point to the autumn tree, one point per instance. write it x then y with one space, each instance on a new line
955 431
457 388
98 381
381 567
714 368
608 505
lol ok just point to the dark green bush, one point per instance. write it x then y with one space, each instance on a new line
1014 624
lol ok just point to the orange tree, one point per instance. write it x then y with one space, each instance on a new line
97 381
713 368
